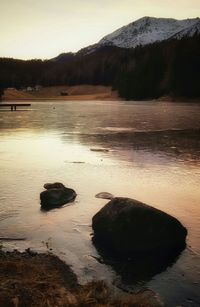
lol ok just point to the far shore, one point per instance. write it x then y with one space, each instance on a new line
77 93
68 98
63 93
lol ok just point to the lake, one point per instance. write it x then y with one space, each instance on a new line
152 155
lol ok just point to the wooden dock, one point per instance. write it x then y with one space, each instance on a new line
13 106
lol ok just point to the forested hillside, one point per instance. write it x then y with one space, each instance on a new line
166 68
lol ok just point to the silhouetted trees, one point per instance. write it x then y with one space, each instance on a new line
1 92
185 75
170 67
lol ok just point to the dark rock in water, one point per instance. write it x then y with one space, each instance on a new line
129 227
99 149
104 195
56 195
56 185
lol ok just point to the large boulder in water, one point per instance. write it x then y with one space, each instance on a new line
128 227
56 195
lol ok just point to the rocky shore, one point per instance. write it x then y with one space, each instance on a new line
30 279
123 230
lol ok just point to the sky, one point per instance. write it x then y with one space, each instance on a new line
45 28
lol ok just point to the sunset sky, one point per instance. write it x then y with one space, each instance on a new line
46 28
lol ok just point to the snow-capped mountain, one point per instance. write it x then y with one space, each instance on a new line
148 30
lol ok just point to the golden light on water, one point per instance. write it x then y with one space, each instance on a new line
152 155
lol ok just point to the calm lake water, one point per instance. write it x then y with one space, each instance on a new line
153 156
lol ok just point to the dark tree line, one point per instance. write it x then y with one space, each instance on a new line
170 67
19 73
1 92
167 68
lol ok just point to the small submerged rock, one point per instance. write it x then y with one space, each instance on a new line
56 195
75 162
104 195
99 149
78 162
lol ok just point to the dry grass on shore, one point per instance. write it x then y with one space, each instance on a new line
77 92
29 279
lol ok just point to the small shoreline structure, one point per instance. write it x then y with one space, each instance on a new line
13 106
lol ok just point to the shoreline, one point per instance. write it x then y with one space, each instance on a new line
90 98
33 279
79 93
70 98
63 93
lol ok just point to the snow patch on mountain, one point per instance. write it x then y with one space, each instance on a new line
148 30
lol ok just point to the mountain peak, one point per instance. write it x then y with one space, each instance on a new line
148 30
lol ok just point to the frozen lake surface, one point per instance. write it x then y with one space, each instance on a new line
151 153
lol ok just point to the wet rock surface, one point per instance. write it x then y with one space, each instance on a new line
129 227
104 195
56 195
55 185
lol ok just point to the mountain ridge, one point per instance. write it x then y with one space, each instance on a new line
148 30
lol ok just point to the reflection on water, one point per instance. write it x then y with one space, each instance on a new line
152 154
140 268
